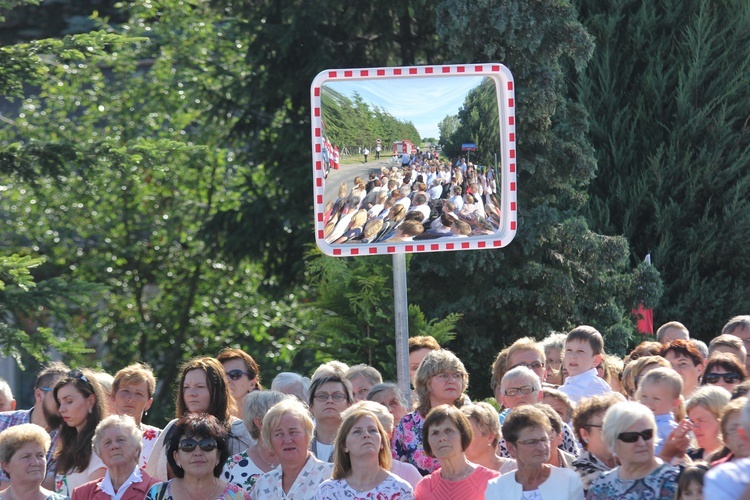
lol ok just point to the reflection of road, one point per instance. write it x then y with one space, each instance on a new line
347 173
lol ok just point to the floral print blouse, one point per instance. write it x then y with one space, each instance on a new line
407 444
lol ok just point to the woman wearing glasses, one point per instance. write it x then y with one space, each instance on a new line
243 375
441 379
196 451
81 405
596 458
329 396
202 388
724 370
526 431
629 430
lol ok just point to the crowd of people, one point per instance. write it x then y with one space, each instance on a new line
568 421
424 198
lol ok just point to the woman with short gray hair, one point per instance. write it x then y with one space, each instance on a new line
629 430
244 468
117 441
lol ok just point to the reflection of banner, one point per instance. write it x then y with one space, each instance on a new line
644 317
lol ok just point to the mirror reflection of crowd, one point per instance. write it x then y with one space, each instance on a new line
568 421
425 199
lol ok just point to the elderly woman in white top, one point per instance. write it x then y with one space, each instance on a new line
287 430
629 430
244 468
527 431
117 441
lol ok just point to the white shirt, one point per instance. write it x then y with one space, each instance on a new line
727 481
106 484
562 484
585 385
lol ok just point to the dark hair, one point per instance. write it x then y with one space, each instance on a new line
50 373
693 473
220 403
726 361
229 353
197 424
523 417
318 382
644 349
685 348
587 408
440 414
741 389
74 450
587 334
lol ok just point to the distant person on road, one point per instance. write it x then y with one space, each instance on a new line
377 152
365 152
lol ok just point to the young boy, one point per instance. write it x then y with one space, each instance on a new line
584 347
660 391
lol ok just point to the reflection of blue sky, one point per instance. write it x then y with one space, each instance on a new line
424 101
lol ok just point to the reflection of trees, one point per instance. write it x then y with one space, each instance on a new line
353 122
478 122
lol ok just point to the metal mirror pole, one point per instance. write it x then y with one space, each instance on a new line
401 309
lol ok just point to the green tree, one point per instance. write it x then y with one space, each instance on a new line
557 272
666 91
354 304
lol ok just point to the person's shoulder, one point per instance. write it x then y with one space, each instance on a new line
732 469
400 482
485 473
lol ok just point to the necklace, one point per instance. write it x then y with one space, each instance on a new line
210 496
260 454
461 477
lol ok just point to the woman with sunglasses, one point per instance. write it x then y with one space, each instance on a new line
196 451
81 406
724 370
629 430
202 388
243 375
329 396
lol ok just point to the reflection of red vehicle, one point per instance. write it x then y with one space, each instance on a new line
405 146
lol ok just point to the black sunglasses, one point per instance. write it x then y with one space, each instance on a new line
237 374
632 437
79 375
188 445
729 378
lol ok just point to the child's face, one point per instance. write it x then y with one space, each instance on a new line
694 491
657 397
579 357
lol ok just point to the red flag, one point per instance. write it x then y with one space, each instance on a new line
644 317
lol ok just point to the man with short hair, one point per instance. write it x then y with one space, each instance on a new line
44 413
670 331
739 326
728 481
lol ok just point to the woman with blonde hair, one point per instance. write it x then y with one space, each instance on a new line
23 456
485 424
441 379
704 409
362 461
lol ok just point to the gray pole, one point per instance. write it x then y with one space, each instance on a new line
401 308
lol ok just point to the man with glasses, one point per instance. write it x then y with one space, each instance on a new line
44 413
